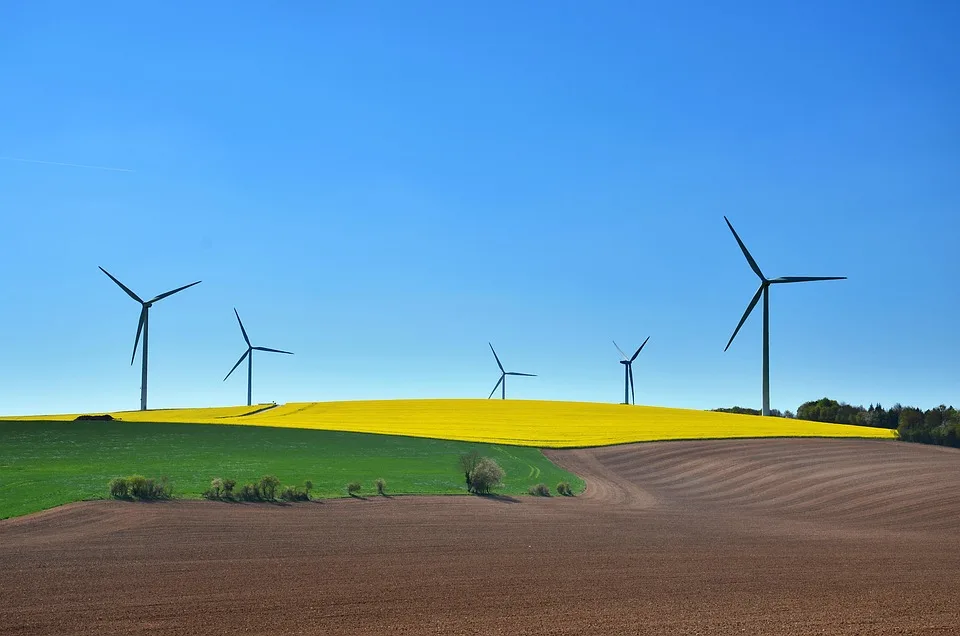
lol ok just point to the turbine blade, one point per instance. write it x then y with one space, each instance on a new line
495 387
173 291
529 375
632 392
289 353
753 263
805 279
143 317
619 349
639 350
242 330
753 303
122 286
242 358
496 357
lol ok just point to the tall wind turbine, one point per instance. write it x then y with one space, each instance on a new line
628 372
248 354
502 382
143 326
764 290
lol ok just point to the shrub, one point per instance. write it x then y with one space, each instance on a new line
159 489
119 488
563 488
353 488
381 486
165 488
228 486
140 487
292 493
216 487
307 487
268 487
469 461
485 476
540 490
249 492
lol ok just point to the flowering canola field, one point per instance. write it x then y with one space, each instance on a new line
541 424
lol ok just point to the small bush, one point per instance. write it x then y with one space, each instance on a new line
381 486
540 490
563 488
268 487
228 486
216 487
486 476
353 488
249 492
119 488
140 487
294 493
307 487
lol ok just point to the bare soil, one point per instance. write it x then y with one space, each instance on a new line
718 537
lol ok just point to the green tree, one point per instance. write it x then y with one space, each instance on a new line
486 476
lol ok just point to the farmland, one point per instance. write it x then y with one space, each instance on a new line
541 424
45 464
774 536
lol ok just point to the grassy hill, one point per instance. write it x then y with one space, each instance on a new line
44 464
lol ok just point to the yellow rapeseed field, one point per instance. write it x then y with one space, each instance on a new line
519 422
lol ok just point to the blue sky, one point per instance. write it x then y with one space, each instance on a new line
383 187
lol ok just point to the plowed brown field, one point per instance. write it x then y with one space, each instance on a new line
773 536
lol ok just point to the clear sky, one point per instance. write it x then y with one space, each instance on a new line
383 187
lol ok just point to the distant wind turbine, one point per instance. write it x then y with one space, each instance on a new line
628 372
248 354
764 290
502 382
144 326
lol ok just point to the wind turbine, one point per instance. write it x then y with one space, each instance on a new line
248 354
502 382
143 326
764 290
628 372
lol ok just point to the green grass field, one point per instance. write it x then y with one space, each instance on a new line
45 464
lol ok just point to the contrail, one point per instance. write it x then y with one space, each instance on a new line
70 165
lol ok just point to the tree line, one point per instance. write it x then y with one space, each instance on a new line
939 425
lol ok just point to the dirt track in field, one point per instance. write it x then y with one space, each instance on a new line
720 537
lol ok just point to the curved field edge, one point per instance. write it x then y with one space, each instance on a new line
46 464
532 423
